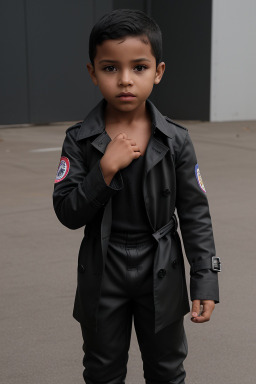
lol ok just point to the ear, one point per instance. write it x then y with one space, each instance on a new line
92 74
159 72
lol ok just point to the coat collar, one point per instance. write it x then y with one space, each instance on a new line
94 123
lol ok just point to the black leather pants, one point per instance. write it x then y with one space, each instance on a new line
127 293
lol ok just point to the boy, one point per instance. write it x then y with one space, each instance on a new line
122 173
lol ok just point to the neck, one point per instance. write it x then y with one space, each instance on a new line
114 116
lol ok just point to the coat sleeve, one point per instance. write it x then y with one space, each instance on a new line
79 196
195 223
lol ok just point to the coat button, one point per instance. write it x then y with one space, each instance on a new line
166 192
174 263
81 268
161 273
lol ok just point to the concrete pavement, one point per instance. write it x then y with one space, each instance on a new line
40 341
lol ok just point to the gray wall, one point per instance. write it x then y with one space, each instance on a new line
233 79
44 48
14 106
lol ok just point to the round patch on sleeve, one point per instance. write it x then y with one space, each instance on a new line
199 178
63 169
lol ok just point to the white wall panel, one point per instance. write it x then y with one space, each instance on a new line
233 62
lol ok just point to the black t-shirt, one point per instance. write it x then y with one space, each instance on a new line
128 208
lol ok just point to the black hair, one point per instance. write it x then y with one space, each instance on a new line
126 22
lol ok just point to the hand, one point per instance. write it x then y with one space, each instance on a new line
119 153
203 315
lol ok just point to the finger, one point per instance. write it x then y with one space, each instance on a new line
136 155
135 148
132 142
195 309
121 135
202 319
208 307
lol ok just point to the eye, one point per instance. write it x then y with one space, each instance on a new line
110 68
140 68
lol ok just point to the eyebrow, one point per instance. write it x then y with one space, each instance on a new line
133 61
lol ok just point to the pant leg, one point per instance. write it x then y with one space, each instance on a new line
106 350
162 353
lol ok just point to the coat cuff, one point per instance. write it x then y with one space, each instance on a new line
204 285
96 190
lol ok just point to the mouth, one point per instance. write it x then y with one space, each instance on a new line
126 96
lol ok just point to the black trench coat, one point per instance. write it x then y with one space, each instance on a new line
81 198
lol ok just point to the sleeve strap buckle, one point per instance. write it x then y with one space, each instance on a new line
216 264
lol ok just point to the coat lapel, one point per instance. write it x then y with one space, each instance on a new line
154 153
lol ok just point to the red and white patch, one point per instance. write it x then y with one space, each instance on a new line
63 169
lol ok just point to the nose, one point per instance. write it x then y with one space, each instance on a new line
125 78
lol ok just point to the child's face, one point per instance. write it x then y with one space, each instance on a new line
125 72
